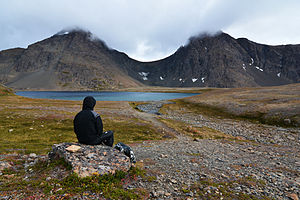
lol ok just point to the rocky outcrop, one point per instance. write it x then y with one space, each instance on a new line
88 160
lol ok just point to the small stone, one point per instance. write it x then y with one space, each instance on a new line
173 181
287 121
8 176
293 196
167 194
32 155
298 180
290 137
73 148
154 194
190 194
4 165
163 156
90 155
83 174
160 193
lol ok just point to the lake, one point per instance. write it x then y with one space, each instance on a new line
104 96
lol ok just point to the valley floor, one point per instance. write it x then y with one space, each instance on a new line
256 161
185 152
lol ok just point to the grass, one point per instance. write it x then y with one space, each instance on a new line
129 130
209 110
203 132
135 104
34 125
32 134
4 91
38 186
268 105
220 112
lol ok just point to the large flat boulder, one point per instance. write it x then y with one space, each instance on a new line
88 160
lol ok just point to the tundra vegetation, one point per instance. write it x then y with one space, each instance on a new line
33 125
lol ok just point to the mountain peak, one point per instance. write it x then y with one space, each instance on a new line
210 36
77 59
67 31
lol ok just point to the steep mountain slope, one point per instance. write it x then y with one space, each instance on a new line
77 61
222 61
65 61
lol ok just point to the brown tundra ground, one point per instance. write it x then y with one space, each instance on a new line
240 143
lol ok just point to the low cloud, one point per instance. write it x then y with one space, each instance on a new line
149 30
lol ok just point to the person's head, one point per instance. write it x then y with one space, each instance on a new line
88 103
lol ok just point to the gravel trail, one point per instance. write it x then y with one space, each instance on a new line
267 166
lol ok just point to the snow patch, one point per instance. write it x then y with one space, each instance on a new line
252 62
194 80
202 79
244 66
63 33
279 74
259 69
144 75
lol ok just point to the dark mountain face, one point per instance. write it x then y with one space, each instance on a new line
64 61
222 61
77 61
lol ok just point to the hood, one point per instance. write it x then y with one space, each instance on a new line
89 103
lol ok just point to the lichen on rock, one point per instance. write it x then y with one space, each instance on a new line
91 159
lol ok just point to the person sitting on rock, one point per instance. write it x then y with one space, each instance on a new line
88 125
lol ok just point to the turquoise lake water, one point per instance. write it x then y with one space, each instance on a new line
104 96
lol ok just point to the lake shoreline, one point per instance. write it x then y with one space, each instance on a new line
104 95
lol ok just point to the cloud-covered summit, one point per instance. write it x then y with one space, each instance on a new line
149 30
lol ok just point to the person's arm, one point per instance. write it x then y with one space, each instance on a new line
99 125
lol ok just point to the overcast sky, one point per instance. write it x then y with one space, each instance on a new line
149 29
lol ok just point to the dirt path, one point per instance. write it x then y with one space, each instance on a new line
267 166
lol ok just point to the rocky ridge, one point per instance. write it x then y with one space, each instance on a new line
77 60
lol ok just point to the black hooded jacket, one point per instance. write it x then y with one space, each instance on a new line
88 124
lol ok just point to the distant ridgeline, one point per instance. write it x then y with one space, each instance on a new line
76 60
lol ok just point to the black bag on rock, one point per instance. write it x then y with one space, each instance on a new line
127 151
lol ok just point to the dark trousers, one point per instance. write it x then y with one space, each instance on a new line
107 138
